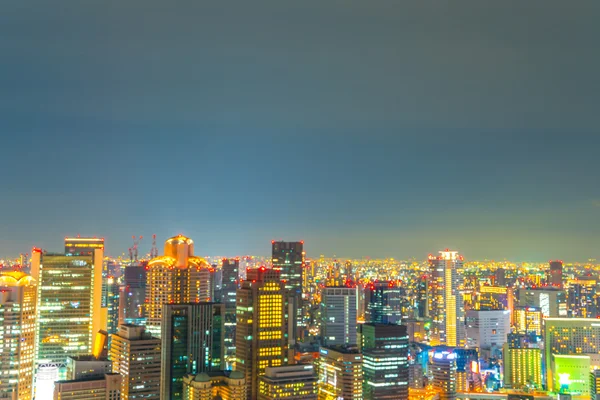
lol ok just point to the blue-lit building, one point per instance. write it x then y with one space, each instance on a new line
384 303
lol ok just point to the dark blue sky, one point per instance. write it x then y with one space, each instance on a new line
366 128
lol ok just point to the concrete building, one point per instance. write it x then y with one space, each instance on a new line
224 385
136 356
107 387
338 316
528 320
552 301
178 277
522 366
340 373
487 329
294 382
192 343
18 293
87 366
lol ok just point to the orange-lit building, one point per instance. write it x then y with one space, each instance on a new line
176 277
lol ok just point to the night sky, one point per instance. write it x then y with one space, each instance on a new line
366 128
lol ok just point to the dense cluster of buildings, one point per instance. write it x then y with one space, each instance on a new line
79 325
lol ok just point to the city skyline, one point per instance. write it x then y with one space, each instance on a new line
349 126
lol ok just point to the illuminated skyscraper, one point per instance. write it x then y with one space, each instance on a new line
69 301
583 297
385 361
422 294
385 303
340 373
112 305
522 364
192 343
528 320
231 279
555 278
552 301
261 340
136 356
446 307
17 335
443 368
338 315
293 382
134 294
178 277
570 336
288 258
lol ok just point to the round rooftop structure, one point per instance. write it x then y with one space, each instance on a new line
179 247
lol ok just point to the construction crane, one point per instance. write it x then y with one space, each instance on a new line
133 251
154 249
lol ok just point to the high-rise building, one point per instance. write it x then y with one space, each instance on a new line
192 343
112 304
571 374
261 332
446 307
583 297
106 387
487 329
340 373
522 364
224 385
17 335
552 301
555 278
422 294
500 277
231 278
178 277
570 336
69 301
443 369
134 294
294 382
136 356
385 303
528 320
338 315
289 259
385 361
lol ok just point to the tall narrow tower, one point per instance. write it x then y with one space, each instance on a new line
446 307
177 277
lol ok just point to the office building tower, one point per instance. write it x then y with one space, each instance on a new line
18 292
338 315
224 385
289 259
385 303
231 267
107 387
570 336
340 373
178 277
443 368
385 361
87 367
112 305
583 297
487 329
446 307
528 320
192 343
294 382
522 363
261 332
571 374
422 294
415 376
555 277
551 301
500 277
134 294
136 356
69 301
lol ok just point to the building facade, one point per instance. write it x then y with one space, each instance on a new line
294 382
18 293
224 385
338 316
136 356
107 387
192 343
340 373
487 328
